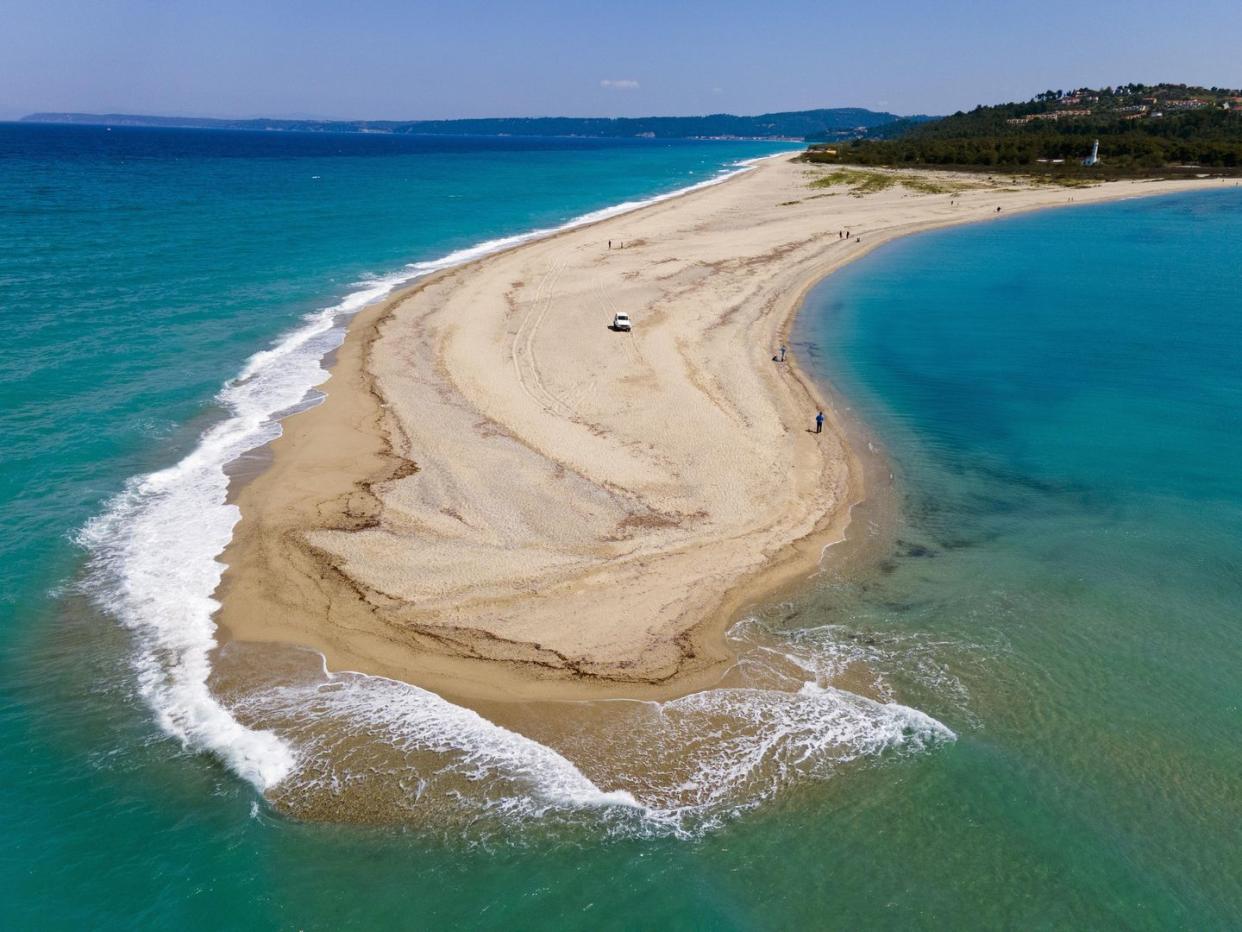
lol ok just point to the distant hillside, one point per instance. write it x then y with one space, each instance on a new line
1142 130
840 123
889 130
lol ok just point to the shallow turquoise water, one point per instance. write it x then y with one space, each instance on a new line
1059 394
1062 397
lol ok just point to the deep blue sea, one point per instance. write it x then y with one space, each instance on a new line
1059 396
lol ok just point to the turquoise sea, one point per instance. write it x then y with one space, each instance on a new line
1051 636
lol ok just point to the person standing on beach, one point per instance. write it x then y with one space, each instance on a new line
782 352
819 422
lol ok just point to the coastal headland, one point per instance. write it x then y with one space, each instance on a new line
503 497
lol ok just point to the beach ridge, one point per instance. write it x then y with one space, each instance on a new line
500 497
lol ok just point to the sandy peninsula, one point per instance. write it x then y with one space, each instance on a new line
502 497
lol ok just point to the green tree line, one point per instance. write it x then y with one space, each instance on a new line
986 138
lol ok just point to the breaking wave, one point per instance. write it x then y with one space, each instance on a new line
379 751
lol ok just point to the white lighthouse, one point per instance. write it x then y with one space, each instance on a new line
1094 157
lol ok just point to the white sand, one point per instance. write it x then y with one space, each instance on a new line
589 508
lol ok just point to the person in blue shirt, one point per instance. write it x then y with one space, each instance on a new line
819 422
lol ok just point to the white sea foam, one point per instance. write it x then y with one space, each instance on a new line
153 550
682 768
408 721
711 755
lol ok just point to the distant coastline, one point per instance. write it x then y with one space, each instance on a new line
799 125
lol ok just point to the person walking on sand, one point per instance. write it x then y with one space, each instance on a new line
782 352
819 422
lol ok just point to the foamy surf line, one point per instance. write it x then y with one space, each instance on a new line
153 551
383 750
411 720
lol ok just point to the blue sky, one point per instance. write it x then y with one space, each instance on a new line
414 59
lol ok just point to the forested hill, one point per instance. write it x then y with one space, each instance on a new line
1142 130
839 123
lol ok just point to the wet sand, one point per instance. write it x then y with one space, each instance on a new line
502 498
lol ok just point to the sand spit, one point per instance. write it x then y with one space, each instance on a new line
501 497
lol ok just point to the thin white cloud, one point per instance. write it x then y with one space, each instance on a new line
621 85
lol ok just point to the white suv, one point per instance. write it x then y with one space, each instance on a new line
621 322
